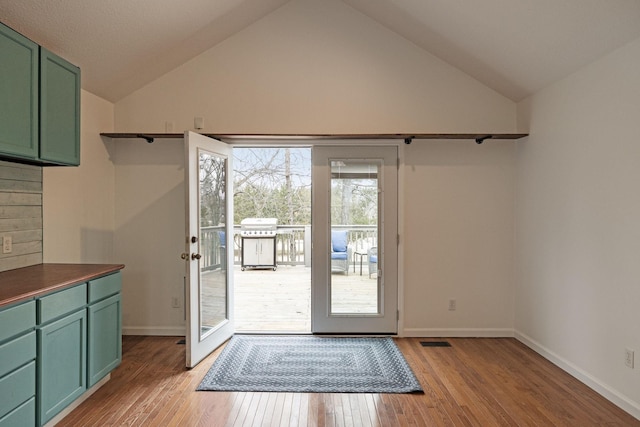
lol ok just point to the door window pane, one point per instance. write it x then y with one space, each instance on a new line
213 242
355 221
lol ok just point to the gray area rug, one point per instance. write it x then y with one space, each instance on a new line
311 365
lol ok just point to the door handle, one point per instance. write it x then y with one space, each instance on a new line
195 256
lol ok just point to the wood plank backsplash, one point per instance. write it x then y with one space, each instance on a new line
21 214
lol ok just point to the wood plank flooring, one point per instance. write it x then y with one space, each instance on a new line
475 382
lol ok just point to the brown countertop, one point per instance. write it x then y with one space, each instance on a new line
29 282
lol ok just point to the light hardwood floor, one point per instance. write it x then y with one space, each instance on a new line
476 382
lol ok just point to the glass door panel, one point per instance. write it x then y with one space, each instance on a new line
212 247
354 207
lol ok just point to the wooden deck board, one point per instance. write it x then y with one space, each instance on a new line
280 301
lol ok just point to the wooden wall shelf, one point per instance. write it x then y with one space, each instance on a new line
407 137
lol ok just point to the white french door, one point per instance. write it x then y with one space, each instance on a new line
355 225
209 245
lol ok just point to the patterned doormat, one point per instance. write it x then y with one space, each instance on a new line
311 365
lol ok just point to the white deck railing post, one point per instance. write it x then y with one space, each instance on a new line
307 246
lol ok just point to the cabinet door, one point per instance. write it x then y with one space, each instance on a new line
267 252
62 364
18 95
105 338
59 110
250 252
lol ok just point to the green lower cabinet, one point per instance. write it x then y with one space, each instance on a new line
61 364
55 347
18 365
104 338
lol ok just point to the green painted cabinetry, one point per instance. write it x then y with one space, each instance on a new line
19 100
61 363
24 415
59 110
17 364
39 103
56 346
62 351
105 327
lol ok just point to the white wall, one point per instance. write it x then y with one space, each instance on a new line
316 67
459 238
578 224
78 202
149 236
321 67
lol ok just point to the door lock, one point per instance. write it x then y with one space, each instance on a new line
194 239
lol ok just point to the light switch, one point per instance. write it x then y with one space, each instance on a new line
7 245
198 122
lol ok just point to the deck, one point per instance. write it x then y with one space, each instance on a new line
280 301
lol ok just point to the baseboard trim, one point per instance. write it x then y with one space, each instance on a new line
458 332
606 391
166 331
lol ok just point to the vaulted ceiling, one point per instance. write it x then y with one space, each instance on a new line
516 47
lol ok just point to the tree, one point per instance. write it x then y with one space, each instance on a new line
212 190
274 183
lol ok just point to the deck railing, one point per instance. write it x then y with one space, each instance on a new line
293 243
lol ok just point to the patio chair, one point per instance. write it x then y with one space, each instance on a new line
372 255
340 251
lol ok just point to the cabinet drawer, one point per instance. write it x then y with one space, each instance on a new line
17 352
17 319
23 415
17 387
55 305
103 287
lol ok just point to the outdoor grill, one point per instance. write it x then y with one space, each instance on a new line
258 237
258 227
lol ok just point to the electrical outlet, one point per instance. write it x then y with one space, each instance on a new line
628 358
7 245
452 305
175 303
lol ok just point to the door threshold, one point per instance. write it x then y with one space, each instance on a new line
272 333
328 335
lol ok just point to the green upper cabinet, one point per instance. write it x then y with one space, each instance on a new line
59 110
39 103
18 95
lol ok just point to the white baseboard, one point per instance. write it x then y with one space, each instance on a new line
458 332
606 391
165 331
